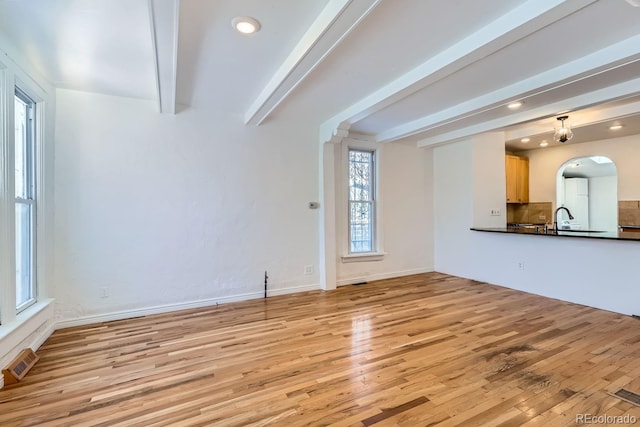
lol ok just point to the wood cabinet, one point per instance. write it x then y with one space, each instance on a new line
630 229
517 171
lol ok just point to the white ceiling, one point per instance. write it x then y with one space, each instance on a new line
586 167
588 124
89 45
421 71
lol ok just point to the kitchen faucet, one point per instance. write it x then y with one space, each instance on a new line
555 218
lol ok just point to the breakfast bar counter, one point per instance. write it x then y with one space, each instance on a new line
539 231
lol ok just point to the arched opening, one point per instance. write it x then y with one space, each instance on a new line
588 187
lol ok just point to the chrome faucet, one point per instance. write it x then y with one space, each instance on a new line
555 218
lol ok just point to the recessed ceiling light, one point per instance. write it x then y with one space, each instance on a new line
525 140
615 127
245 24
544 144
515 105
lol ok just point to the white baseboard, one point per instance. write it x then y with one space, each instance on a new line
293 290
146 311
42 337
352 280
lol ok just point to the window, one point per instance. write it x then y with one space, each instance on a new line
361 201
25 205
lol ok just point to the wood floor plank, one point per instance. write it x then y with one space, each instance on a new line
428 349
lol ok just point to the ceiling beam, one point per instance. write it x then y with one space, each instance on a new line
619 91
335 22
520 22
164 17
592 64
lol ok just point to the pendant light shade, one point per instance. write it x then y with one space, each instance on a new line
563 133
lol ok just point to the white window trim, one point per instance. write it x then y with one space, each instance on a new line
7 202
12 77
378 253
31 327
365 256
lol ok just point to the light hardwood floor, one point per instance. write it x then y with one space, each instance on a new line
429 349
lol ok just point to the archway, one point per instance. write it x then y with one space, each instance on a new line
588 187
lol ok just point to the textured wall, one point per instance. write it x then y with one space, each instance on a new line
407 217
164 209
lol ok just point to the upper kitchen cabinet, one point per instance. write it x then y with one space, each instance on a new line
517 171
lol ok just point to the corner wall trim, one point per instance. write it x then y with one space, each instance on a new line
138 312
359 279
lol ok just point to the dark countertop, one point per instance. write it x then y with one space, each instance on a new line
608 235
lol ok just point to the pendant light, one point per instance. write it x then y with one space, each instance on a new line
563 133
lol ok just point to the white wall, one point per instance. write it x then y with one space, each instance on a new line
167 210
594 272
407 194
453 207
488 167
544 165
469 181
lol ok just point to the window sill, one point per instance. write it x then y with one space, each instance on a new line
24 317
369 256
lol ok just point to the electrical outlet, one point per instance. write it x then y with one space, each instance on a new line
520 265
308 269
495 212
104 292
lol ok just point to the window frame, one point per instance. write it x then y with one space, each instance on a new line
371 201
377 252
30 197
33 324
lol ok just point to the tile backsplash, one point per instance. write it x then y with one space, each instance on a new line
629 212
542 212
529 213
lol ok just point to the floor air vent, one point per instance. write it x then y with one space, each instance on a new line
19 367
628 396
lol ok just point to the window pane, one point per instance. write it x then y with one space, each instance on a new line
360 175
361 227
25 162
361 201
21 144
24 275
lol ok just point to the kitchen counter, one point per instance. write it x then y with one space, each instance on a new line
613 235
